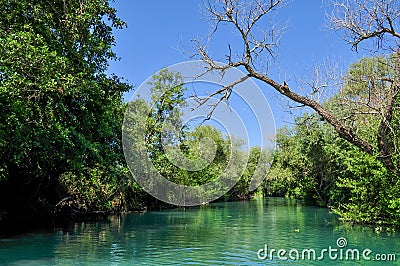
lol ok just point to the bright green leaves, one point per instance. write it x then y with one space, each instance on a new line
301 167
61 115
201 157
167 98
368 89
313 164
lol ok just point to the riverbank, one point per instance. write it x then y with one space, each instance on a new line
217 233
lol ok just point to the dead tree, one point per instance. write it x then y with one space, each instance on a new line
360 20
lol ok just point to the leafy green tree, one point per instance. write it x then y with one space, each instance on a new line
256 169
187 156
321 168
60 113
167 98
301 166
218 147
369 104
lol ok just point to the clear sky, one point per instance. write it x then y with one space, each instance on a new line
159 34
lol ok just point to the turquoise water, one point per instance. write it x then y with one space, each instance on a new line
217 234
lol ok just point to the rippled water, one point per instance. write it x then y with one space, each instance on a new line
217 234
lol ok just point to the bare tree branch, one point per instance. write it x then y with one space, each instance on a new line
361 20
225 93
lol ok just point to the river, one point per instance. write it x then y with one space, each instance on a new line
272 231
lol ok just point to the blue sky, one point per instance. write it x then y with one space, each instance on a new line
159 34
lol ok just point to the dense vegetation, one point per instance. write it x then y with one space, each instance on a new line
181 154
61 125
314 164
61 115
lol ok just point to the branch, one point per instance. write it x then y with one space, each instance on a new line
343 131
383 131
366 20
226 92
360 21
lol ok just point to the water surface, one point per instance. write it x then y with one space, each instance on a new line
217 234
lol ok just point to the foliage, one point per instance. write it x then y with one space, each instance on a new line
183 155
257 164
302 165
60 113
313 164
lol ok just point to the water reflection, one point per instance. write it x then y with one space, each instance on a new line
216 234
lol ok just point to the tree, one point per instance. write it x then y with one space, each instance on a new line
360 20
257 158
368 104
311 163
61 114
159 148
303 165
371 20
